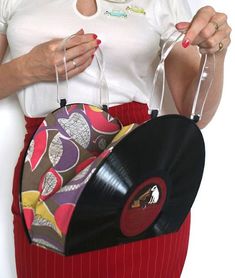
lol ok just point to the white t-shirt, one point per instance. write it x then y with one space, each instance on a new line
130 46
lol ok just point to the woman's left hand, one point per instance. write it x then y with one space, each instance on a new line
209 30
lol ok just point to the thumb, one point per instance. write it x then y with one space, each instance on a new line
182 26
80 32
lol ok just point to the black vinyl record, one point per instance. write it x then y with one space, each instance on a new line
144 188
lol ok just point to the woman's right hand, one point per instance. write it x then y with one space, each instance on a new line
41 60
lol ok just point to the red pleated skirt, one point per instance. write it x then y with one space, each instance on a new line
159 257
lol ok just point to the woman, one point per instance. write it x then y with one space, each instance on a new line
130 40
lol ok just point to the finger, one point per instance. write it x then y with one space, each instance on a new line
79 39
67 41
220 19
214 39
209 31
218 47
78 61
217 22
83 58
210 41
80 32
79 69
199 22
81 49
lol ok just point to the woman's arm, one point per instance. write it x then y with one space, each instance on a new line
3 46
12 75
39 64
183 64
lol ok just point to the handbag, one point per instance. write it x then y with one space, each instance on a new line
89 183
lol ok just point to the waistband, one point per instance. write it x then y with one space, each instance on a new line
114 111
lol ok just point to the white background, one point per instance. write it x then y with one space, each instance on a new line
212 243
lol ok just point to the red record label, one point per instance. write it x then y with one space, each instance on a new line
143 206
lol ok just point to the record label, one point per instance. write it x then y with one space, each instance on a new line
143 206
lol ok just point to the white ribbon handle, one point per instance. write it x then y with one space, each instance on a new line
63 88
203 85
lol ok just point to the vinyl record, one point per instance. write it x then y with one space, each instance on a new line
144 188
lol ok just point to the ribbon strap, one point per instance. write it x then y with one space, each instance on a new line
204 82
63 87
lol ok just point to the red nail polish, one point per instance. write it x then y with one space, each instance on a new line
185 43
98 42
94 36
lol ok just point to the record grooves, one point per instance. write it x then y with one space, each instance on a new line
143 162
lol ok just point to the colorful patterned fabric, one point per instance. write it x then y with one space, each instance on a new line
63 154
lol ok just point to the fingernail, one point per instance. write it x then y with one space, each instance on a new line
98 42
94 36
186 43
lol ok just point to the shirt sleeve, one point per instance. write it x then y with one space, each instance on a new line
168 13
6 9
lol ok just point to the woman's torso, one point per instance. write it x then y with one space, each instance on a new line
130 45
